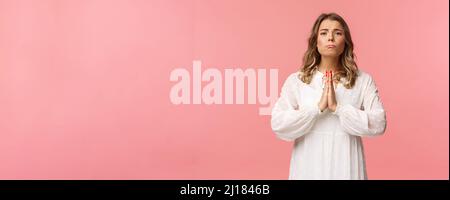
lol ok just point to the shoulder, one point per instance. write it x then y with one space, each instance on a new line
293 78
364 77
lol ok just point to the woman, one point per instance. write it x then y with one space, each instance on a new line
328 106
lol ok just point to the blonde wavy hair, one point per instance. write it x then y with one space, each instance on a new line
312 57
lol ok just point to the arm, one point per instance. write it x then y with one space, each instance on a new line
368 122
289 120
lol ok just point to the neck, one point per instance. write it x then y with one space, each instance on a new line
328 63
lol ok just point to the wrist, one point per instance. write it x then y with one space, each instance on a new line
320 108
333 107
336 109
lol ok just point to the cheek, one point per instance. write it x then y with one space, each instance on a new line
320 42
341 44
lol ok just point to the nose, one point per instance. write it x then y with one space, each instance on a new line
330 37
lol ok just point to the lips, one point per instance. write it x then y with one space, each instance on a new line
331 46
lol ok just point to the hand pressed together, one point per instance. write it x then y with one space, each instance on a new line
328 99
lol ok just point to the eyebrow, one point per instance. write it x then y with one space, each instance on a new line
325 29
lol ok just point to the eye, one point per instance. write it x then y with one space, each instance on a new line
338 33
323 33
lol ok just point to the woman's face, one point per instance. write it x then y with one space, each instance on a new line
331 38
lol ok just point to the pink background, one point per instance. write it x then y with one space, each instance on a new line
84 86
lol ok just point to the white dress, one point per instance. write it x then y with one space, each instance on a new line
328 145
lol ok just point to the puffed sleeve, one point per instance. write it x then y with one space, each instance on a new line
368 122
290 119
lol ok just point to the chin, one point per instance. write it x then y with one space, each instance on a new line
329 54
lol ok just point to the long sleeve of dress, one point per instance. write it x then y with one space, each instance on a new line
290 119
368 122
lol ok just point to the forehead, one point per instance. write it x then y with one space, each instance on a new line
330 25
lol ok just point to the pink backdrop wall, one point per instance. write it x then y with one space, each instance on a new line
84 86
